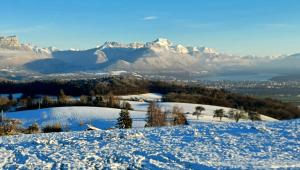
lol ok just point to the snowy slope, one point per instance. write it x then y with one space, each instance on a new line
260 145
72 118
145 96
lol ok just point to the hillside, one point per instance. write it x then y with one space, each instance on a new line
171 91
257 145
76 118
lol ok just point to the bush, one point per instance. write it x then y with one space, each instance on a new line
34 128
179 117
10 127
52 128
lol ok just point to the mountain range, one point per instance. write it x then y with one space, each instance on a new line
157 57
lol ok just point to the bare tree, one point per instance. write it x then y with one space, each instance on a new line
235 114
238 115
155 117
62 98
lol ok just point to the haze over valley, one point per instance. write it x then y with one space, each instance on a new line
157 57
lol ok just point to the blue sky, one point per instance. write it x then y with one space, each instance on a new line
260 27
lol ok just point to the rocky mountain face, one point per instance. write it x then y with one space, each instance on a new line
158 56
9 42
15 55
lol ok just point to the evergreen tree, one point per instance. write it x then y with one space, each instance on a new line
124 121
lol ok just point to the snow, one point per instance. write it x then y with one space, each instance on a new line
162 42
181 49
145 96
117 73
73 118
259 145
206 116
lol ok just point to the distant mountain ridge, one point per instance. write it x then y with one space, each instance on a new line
158 56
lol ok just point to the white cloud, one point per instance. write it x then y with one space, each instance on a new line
150 18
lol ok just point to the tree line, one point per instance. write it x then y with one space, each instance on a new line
172 91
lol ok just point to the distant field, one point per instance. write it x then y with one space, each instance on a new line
294 99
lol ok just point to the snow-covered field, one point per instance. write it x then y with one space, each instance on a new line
146 96
72 118
247 145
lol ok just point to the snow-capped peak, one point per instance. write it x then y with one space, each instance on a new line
135 45
37 49
159 45
52 49
112 44
193 49
163 42
181 49
208 50
119 45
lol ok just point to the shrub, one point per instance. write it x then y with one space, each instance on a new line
34 128
52 128
10 127
179 117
